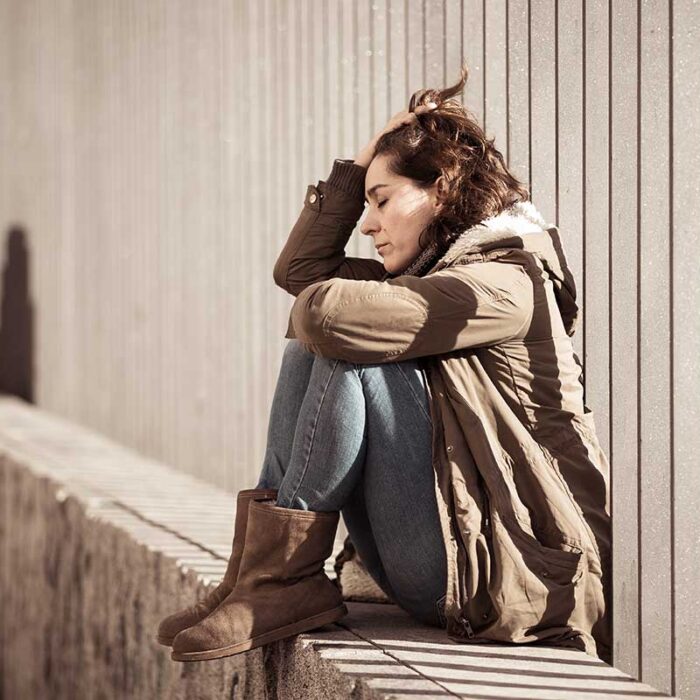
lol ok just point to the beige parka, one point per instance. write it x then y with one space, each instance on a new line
522 483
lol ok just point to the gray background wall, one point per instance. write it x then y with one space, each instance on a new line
154 156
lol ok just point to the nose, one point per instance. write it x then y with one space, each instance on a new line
368 226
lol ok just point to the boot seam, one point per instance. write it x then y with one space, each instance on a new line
297 512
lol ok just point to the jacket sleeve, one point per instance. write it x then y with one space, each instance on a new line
463 306
315 248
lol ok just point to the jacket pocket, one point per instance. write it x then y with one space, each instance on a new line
585 424
562 564
566 435
533 587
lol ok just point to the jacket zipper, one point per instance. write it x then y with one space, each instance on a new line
460 617
487 509
487 531
467 626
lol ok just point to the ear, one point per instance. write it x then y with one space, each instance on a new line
440 190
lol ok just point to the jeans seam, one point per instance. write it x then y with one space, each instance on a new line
415 396
313 431
440 605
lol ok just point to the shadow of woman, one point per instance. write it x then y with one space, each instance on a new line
16 319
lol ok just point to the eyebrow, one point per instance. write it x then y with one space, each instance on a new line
374 187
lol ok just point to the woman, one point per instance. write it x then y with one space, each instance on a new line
434 399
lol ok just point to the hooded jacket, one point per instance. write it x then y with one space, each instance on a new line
522 483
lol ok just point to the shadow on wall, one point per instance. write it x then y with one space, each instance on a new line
16 319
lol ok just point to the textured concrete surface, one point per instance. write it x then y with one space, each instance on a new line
98 543
82 593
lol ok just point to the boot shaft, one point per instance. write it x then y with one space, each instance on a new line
243 500
285 544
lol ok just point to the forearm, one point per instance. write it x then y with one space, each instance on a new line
315 249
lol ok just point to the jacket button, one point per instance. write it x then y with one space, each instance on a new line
450 448
312 198
440 393
545 573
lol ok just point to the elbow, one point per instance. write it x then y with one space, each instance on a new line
283 279
307 315
280 274
307 325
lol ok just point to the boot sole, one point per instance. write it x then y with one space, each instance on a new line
305 625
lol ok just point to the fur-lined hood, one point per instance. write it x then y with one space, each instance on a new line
521 226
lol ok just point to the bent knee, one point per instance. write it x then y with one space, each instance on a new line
296 349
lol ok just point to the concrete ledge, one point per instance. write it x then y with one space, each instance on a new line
98 543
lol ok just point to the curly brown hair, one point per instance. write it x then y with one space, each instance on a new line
448 141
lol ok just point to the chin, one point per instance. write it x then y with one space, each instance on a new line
392 268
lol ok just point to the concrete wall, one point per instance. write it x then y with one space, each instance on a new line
81 594
96 546
154 156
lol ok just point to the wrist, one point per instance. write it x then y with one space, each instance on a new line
364 157
348 176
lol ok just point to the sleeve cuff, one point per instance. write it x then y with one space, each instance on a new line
349 177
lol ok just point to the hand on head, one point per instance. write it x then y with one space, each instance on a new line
400 118
405 117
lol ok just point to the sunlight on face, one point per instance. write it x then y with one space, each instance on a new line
397 214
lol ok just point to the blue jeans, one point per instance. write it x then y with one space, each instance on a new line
357 438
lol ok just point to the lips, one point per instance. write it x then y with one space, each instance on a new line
380 246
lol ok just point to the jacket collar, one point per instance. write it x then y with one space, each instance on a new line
522 227
505 230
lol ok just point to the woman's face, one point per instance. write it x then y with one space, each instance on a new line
398 213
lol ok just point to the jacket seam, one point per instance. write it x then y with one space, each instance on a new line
549 457
340 305
528 318
506 358
327 321
479 305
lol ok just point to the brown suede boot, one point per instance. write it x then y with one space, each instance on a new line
182 619
282 589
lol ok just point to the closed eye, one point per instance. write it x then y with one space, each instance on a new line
381 204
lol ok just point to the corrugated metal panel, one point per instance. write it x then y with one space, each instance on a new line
654 298
624 325
684 241
156 154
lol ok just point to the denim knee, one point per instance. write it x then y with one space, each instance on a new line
295 353
295 347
